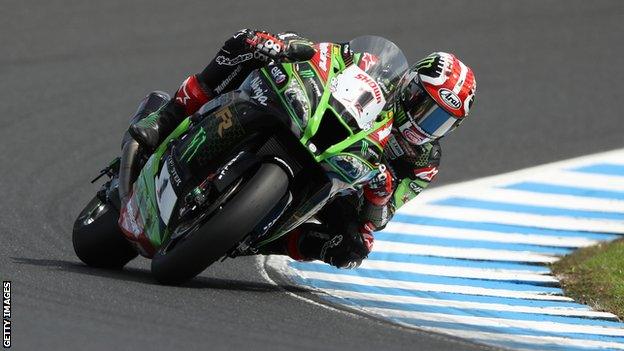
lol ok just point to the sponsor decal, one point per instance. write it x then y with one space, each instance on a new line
227 61
6 314
198 139
324 56
131 225
286 35
225 115
395 149
333 85
410 133
131 222
412 136
385 88
227 166
384 132
415 187
433 68
239 33
260 56
371 83
360 95
270 224
405 198
315 87
347 54
306 73
427 62
298 102
334 242
227 80
450 98
346 51
367 61
322 60
278 76
370 151
258 91
400 117
186 97
174 173
426 173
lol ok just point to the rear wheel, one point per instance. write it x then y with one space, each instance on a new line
97 239
238 217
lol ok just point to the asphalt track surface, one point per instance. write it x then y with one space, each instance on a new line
549 87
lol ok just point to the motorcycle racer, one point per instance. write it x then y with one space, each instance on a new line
435 97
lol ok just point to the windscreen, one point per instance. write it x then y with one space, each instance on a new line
383 61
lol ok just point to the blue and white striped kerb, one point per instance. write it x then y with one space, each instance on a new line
471 259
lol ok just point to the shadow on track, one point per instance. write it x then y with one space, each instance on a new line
144 276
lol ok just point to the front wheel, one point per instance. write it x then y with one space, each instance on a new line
238 217
97 239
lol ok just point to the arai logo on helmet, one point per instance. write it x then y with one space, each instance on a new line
450 98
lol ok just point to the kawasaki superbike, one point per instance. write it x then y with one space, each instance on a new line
249 166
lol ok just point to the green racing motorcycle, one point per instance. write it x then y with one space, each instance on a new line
249 166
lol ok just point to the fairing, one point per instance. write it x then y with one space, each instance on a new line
325 117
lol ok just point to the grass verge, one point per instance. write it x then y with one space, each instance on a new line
595 276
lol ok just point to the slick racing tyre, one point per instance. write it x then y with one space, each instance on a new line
209 241
97 239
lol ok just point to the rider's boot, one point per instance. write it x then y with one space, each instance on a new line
301 244
152 130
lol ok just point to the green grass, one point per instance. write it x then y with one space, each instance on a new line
595 276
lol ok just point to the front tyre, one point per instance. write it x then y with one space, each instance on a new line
238 217
97 239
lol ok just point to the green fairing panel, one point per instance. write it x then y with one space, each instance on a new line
145 196
307 101
144 190
409 188
309 97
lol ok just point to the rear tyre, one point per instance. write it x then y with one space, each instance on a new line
97 239
238 217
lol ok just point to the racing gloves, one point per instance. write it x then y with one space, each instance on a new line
317 242
285 46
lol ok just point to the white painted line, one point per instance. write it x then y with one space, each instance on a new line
542 199
500 339
549 171
542 326
417 286
458 272
460 252
563 312
482 235
280 264
530 220
578 180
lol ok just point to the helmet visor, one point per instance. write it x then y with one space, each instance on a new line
426 114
